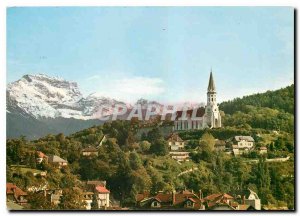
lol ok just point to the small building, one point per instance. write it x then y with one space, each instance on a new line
175 142
247 197
180 156
185 200
98 188
56 160
40 157
263 150
15 194
90 151
220 145
244 142
219 201
102 196
88 198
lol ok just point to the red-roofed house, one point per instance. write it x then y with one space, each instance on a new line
101 192
102 195
40 157
219 201
184 200
15 194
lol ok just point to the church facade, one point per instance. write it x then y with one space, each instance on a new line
206 117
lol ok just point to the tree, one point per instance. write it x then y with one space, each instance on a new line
39 201
145 146
154 135
71 199
135 161
160 147
94 204
32 161
263 179
207 142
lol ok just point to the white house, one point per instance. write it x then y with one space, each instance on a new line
90 150
102 196
242 144
54 159
175 142
249 197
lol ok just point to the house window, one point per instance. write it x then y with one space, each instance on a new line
189 204
155 204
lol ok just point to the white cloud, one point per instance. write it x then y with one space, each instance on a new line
95 77
127 89
141 85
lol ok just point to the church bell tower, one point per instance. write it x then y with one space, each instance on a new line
212 114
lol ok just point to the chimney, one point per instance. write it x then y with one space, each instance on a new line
173 196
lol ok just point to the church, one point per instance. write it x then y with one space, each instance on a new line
206 117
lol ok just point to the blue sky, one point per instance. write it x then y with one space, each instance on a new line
160 53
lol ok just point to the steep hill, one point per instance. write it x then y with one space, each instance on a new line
282 99
272 110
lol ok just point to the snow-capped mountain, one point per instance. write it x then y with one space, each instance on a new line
37 105
92 104
41 96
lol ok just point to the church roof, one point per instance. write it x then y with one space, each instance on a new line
189 113
211 85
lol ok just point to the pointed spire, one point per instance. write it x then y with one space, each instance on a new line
211 84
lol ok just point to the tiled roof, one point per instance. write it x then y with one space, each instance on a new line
174 137
167 199
12 189
217 196
247 138
56 159
139 197
101 189
243 206
41 154
219 142
90 149
189 113
164 197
